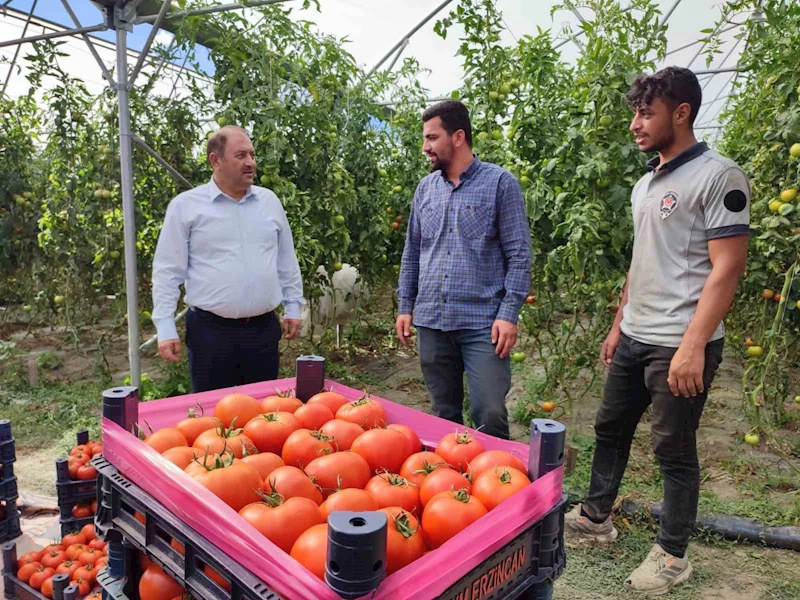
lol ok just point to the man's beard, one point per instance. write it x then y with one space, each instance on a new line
439 165
665 141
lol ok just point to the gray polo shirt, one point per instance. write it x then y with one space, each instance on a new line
697 196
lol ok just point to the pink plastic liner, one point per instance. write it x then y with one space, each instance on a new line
222 526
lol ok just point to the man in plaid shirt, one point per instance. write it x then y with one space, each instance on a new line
465 273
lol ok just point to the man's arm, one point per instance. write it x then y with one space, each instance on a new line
408 284
611 342
728 258
291 281
515 241
170 266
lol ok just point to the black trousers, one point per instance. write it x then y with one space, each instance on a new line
229 352
637 378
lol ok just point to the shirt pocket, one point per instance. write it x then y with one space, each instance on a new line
431 221
474 220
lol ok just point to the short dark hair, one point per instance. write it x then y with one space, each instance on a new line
454 116
219 139
674 85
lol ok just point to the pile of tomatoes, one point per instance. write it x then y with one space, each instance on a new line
290 465
78 462
81 555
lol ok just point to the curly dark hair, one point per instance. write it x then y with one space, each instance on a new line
674 85
454 116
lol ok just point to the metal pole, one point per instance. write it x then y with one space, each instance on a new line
718 71
397 56
156 26
211 10
16 52
414 30
55 34
694 43
669 13
154 339
128 213
89 43
160 160
724 60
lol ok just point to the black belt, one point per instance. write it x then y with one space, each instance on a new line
244 320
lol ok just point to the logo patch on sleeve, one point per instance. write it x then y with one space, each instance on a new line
735 201
668 204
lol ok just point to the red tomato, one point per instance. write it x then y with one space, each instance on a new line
155 584
84 586
442 480
53 559
364 412
98 544
269 432
291 482
81 511
491 459
47 588
404 540
282 521
87 573
193 425
418 466
313 416
100 562
86 472
413 439
40 576
164 439
98 449
51 548
447 514
68 568
223 439
237 409
343 433
75 550
26 570
264 462
303 446
280 403
330 399
87 531
389 489
351 499
232 481
89 556
496 485
383 449
30 557
182 456
311 550
79 449
458 449
339 470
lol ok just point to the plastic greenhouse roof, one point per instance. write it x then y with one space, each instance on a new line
373 27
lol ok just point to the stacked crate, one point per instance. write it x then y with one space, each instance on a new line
9 515
73 493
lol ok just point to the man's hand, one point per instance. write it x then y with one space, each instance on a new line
403 329
686 371
504 336
290 328
609 347
170 350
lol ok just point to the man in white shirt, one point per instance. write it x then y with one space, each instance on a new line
230 243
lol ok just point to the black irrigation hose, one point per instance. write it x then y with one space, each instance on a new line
729 527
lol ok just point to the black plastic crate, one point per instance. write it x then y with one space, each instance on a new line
72 525
8 489
9 526
68 491
8 453
14 588
6 471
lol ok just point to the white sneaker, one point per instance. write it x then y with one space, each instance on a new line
581 531
659 573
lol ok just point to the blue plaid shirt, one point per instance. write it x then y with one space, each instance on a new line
467 258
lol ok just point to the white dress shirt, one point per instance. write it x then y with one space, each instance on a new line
236 259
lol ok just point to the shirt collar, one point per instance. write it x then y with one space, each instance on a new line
469 171
214 192
680 160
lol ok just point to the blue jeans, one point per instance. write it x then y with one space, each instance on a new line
445 356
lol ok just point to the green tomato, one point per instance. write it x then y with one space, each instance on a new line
603 183
514 83
493 95
497 135
27 195
106 194
505 89
114 254
265 179
605 121
58 299
775 205
518 357
337 266
483 136
786 195
752 439
557 189
501 97
383 259
19 200
397 189
396 269
525 181
795 150
27 308
383 173
797 398
222 120
339 219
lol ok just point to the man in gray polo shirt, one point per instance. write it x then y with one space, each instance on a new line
691 225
